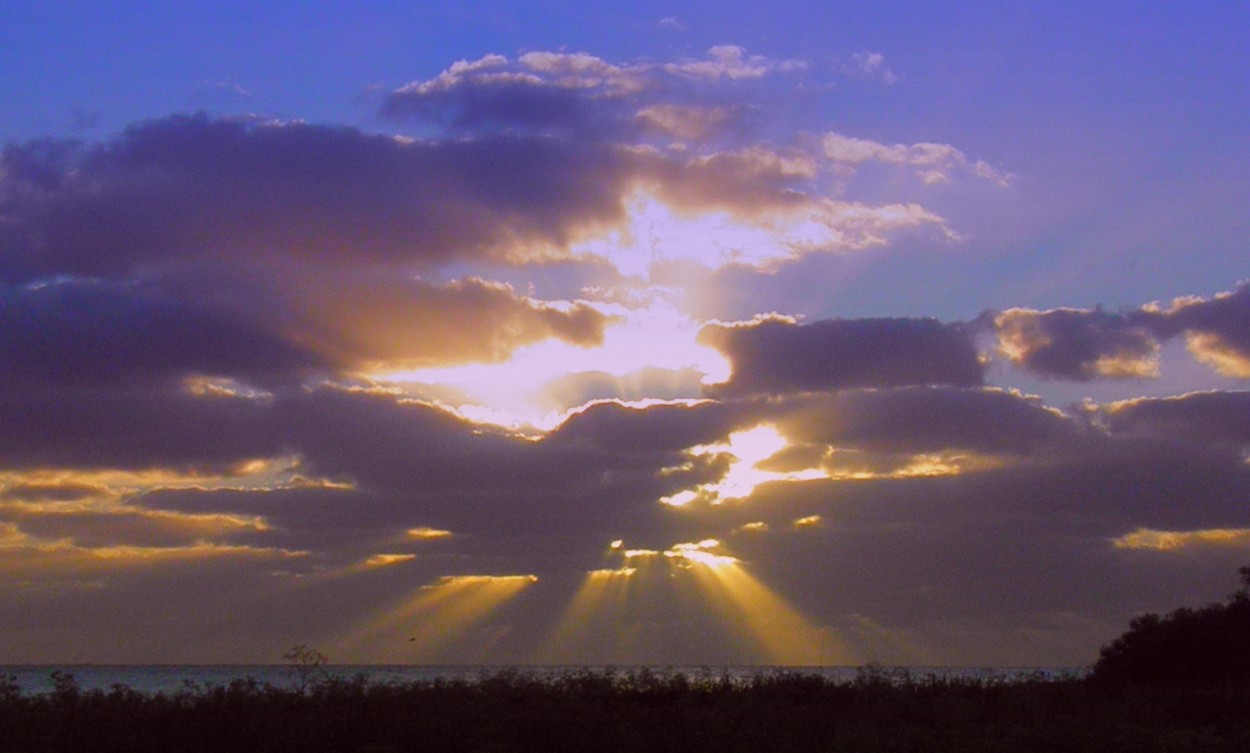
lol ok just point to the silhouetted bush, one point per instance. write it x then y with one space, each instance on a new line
630 712
1206 645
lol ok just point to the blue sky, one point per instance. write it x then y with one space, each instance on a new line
677 333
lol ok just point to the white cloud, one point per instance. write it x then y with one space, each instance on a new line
933 163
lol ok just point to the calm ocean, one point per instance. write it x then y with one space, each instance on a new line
148 678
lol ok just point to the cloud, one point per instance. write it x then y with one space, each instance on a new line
190 190
564 93
932 163
384 321
1207 417
547 505
869 65
97 529
94 335
134 427
929 419
196 314
1217 329
686 122
732 62
777 356
1144 538
1082 344
1076 344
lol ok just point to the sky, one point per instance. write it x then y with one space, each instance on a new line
646 333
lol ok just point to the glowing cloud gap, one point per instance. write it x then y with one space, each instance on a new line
749 449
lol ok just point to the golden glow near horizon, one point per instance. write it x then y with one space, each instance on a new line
749 449
437 615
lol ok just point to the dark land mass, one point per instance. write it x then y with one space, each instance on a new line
1174 683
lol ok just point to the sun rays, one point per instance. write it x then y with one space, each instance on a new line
631 606
436 615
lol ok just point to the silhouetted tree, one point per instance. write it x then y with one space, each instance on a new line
307 666
1204 645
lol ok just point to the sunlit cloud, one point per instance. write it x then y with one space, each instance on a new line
1077 344
932 163
386 560
425 533
1168 541
27 560
809 521
1216 352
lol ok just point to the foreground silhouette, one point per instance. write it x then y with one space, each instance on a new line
1189 646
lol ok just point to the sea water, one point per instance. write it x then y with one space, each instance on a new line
172 678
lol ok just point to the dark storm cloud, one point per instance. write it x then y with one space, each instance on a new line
82 334
776 356
1077 344
927 419
1218 329
188 187
135 427
396 445
503 104
334 523
613 427
1083 344
399 466
1203 417
77 333
576 94
128 527
358 320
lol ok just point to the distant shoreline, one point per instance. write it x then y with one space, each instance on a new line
152 678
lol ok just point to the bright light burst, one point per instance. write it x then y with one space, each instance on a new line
518 392
749 449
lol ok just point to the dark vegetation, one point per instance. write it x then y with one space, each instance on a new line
1168 684
1209 645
